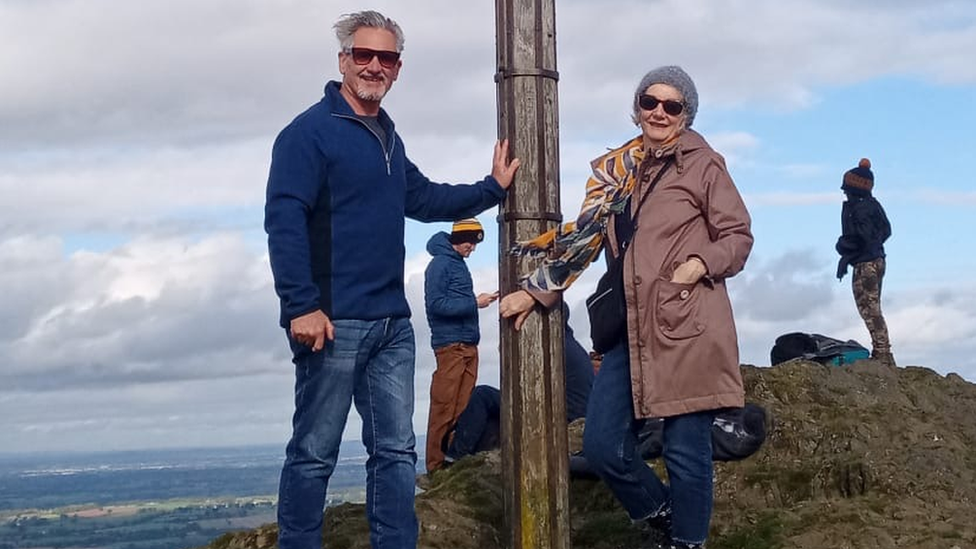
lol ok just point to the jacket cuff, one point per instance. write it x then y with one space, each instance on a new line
492 185
546 298
302 312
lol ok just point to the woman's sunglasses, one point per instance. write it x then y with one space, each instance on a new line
649 103
363 56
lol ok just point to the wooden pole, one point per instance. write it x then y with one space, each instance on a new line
535 463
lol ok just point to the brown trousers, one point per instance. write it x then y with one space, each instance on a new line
867 295
450 390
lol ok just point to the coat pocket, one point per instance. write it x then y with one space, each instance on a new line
679 309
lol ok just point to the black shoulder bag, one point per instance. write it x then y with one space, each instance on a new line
607 307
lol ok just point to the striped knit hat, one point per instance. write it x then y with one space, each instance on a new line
467 230
859 178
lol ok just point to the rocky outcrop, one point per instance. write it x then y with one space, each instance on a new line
859 456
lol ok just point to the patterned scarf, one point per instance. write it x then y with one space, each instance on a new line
571 247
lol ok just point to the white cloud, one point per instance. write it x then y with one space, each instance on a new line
163 343
183 413
734 145
136 191
147 311
771 51
184 73
174 71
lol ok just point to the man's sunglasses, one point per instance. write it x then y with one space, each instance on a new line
649 103
363 56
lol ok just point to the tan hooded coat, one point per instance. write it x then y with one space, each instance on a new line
684 353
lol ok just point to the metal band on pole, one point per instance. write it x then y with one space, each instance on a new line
532 216
503 74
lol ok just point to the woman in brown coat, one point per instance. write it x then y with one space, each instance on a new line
678 358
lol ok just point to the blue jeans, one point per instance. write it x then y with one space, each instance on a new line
370 363
610 447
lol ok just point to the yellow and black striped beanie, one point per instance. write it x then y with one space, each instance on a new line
467 230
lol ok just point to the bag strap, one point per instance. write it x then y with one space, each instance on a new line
633 219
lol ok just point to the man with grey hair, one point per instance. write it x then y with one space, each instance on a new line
339 188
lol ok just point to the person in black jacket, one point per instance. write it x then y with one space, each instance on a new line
865 228
477 428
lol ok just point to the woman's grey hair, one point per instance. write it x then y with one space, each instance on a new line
678 79
348 24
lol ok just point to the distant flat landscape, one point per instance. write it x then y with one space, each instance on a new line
150 499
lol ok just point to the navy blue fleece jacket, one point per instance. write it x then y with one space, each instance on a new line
452 308
336 203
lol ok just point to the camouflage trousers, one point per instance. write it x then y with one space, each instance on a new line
867 295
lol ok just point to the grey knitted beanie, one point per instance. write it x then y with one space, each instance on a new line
675 77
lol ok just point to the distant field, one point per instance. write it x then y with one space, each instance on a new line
170 499
129 509
176 524
239 523
150 525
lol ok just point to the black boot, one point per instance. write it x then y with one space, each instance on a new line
661 522
657 528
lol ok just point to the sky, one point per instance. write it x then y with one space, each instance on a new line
136 301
